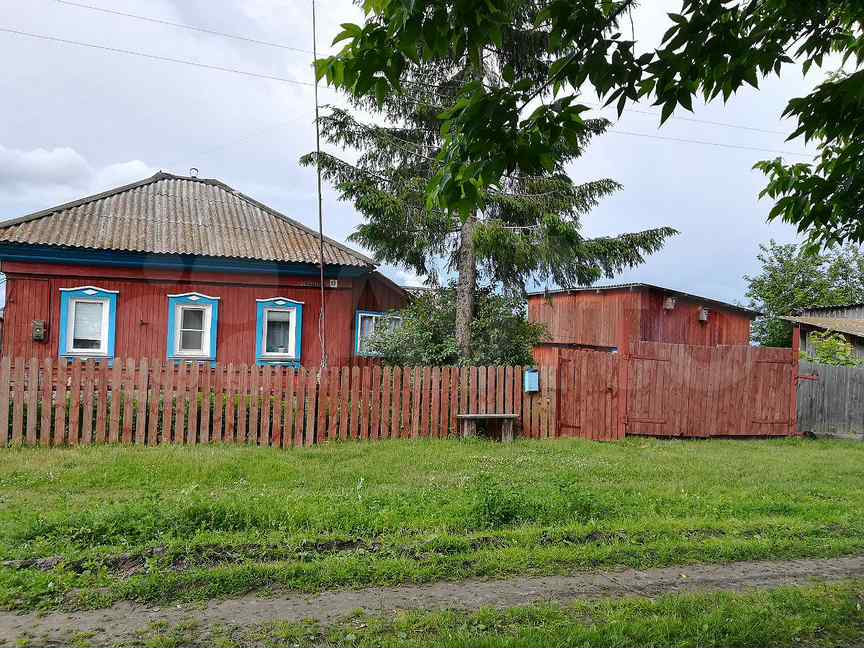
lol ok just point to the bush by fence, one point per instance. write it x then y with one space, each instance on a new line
54 402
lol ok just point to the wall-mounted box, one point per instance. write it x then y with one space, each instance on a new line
531 381
39 329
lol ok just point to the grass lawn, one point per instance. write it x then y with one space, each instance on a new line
178 523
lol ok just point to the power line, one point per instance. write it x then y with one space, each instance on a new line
202 30
156 57
707 143
269 77
696 120
256 41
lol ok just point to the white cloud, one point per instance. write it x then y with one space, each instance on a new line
41 167
41 178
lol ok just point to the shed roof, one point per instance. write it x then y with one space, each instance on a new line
646 286
170 214
848 326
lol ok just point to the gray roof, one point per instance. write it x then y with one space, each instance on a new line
645 286
169 214
848 326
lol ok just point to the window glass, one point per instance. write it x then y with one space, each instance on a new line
87 327
192 329
193 319
279 333
367 330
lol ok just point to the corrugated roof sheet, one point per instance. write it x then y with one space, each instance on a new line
848 326
168 214
646 286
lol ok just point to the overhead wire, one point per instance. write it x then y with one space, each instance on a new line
156 57
257 41
160 21
281 79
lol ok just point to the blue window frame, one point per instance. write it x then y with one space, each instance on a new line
279 332
364 328
193 320
87 322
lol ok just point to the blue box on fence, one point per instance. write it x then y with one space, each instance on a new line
532 381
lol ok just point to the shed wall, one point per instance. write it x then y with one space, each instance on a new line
607 319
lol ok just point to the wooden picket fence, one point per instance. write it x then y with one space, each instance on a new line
53 402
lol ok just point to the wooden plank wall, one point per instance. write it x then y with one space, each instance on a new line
696 391
43 402
830 401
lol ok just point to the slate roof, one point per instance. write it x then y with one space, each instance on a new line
848 326
170 214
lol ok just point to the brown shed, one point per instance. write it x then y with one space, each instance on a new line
608 317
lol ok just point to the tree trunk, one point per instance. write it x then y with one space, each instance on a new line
465 287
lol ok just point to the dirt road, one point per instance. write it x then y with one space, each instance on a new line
121 621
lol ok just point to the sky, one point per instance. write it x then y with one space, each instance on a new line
77 120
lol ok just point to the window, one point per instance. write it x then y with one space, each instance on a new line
192 326
366 325
191 338
278 332
88 327
87 318
279 327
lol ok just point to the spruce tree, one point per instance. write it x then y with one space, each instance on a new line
530 226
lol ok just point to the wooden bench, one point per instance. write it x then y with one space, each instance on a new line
504 422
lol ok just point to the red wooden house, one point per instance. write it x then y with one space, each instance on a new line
186 269
610 317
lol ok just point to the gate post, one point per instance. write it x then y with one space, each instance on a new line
623 385
793 405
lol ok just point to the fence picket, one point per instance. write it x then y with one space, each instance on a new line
205 403
334 405
142 385
394 427
266 405
365 399
311 404
230 398
192 408
32 382
425 400
344 403
435 403
47 402
60 408
88 378
5 379
323 404
75 402
115 405
375 404
158 408
416 384
254 404
127 397
405 414
299 409
444 422
219 389
242 407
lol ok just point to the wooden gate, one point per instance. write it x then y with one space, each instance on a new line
588 402
676 390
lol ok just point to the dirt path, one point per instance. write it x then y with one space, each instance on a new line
121 621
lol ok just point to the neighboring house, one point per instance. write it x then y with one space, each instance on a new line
185 269
847 320
608 317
